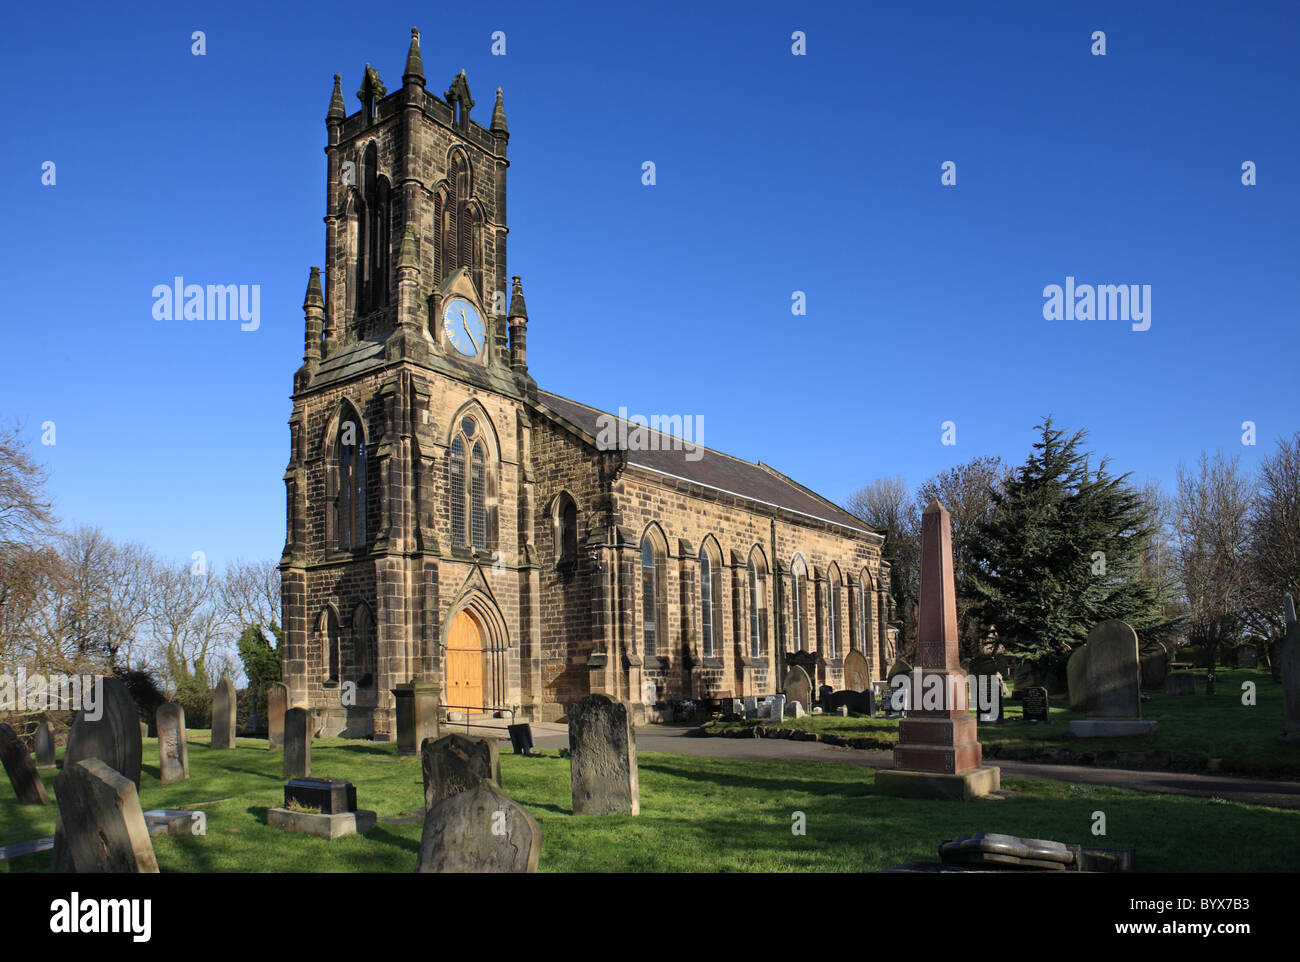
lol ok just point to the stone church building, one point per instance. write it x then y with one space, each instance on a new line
451 522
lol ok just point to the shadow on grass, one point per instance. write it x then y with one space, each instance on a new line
759 784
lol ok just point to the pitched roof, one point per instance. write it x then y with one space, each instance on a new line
709 468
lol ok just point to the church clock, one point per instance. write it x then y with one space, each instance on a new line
464 326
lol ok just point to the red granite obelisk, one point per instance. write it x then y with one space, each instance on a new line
938 753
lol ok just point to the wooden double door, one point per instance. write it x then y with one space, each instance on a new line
463 669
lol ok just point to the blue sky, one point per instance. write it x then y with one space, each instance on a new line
775 173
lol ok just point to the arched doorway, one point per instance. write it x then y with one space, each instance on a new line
464 666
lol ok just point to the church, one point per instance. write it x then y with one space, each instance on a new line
450 522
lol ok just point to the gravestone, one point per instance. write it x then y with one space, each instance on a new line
776 710
223 714
417 714
21 769
857 673
1076 671
456 763
1247 657
796 710
44 745
1114 684
173 753
101 826
825 697
798 686
900 667
333 796
1033 701
521 738
649 693
277 703
1180 683
1154 663
480 830
1289 650
988 687
297 743
602 750
113 738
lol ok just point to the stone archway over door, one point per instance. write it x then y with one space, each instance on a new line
464 675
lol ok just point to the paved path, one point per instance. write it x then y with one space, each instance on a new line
1254 791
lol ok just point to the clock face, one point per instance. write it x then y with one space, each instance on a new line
464 326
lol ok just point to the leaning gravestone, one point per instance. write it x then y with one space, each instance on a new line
21 770
173 752
480 830
1114 684
44 745
798 686
1289 651
113 737
1076 671
1154 662
456 763
223 714
297 743
101 824
602 750
277 702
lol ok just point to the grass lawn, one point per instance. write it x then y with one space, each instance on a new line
697 815
1204 727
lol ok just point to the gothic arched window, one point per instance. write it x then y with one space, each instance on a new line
798 604
649 598
364 647
707 647
349 468
566 530
757 605
833 612
467 486
328 628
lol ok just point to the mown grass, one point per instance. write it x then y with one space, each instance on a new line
697 815
1201 726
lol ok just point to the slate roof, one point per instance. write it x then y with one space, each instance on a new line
713 469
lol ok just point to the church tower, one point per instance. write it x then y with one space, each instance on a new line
408 544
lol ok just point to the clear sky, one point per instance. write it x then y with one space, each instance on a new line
775 173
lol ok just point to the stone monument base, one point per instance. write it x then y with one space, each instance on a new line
964 787
326 826
1110 727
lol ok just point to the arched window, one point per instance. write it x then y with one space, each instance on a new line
649 598
364 646
372 262
757 605
330 653
866 613
349 468
566 530
798 603
467 486
833 626
707 645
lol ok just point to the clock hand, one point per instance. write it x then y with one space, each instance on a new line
465 322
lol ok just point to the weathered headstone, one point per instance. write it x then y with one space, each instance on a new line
857 673
1247 656
101 825
602 750
417 714
1180 683
113 737
751 702
798 686
1034 705
223 714
1290 664
649 693
825 697
480 830
456 763
297 743
521 738
1153 661
277 703
938 754
44 745
173 752
21 769
797 710
1114 684
776 710
1076 670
